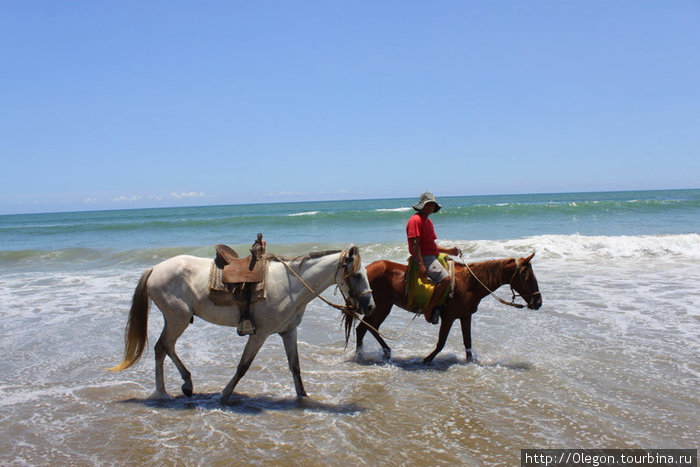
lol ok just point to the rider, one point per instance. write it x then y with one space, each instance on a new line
424 251
245 324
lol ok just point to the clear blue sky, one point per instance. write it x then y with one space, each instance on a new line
125 104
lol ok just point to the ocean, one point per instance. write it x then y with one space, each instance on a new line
609 361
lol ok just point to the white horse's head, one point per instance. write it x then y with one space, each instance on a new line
353 282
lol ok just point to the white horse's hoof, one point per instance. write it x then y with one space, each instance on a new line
157 395
305 402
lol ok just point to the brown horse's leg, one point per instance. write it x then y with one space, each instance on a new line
467 337
445 326
375 320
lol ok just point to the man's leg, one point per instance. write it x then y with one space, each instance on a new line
438 274
439 292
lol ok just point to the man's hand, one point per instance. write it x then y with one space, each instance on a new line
454 251
422 271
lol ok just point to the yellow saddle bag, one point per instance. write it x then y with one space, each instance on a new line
419 290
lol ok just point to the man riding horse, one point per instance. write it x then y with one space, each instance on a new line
424 251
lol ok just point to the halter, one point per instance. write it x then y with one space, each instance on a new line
510 283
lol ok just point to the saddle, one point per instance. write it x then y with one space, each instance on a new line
419 291
230 274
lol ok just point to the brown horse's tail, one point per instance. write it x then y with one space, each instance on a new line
137 325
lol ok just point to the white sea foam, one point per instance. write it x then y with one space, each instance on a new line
403 209
684 248
308 213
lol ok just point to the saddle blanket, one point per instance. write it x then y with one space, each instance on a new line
227 294
419 290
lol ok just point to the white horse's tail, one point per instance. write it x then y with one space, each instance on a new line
137 325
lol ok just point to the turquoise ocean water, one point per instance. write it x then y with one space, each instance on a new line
609 361
102 234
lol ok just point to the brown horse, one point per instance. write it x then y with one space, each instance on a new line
472 284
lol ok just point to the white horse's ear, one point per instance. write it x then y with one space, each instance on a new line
353 258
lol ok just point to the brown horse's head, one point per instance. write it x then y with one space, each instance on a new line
525 283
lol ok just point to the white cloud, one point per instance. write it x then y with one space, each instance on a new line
120 199
285 193
189 194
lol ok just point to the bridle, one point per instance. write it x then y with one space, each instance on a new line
510 283
518 272
343 262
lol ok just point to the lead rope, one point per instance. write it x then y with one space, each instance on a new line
343 308
349 310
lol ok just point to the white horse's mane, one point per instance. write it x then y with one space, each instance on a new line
312 255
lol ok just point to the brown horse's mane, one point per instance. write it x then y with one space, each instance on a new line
489 272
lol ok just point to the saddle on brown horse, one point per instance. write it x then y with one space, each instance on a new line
229 274
418 291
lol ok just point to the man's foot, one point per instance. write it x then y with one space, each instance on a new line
437 312
434 317
246 328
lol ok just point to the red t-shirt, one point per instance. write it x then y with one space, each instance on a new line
423 229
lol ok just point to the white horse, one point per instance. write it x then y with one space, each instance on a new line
179 287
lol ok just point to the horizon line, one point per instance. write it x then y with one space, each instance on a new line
261 203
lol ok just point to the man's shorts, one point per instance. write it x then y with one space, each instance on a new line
436 272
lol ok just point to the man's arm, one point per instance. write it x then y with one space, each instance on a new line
414 247
454 251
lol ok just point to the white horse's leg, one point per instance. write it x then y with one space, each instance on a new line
251 350
160 391
175 325
290 346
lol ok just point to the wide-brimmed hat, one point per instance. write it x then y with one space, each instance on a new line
426 198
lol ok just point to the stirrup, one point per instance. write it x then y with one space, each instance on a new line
246 328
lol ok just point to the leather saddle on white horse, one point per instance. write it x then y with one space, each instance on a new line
229 274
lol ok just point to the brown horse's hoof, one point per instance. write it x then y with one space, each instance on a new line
387 354
471 356
187 389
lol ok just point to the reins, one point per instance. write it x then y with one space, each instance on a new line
511 303
415 315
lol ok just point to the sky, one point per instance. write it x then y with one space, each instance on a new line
129 104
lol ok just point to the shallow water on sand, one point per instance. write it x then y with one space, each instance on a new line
609 361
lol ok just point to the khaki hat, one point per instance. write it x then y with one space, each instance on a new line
426 198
